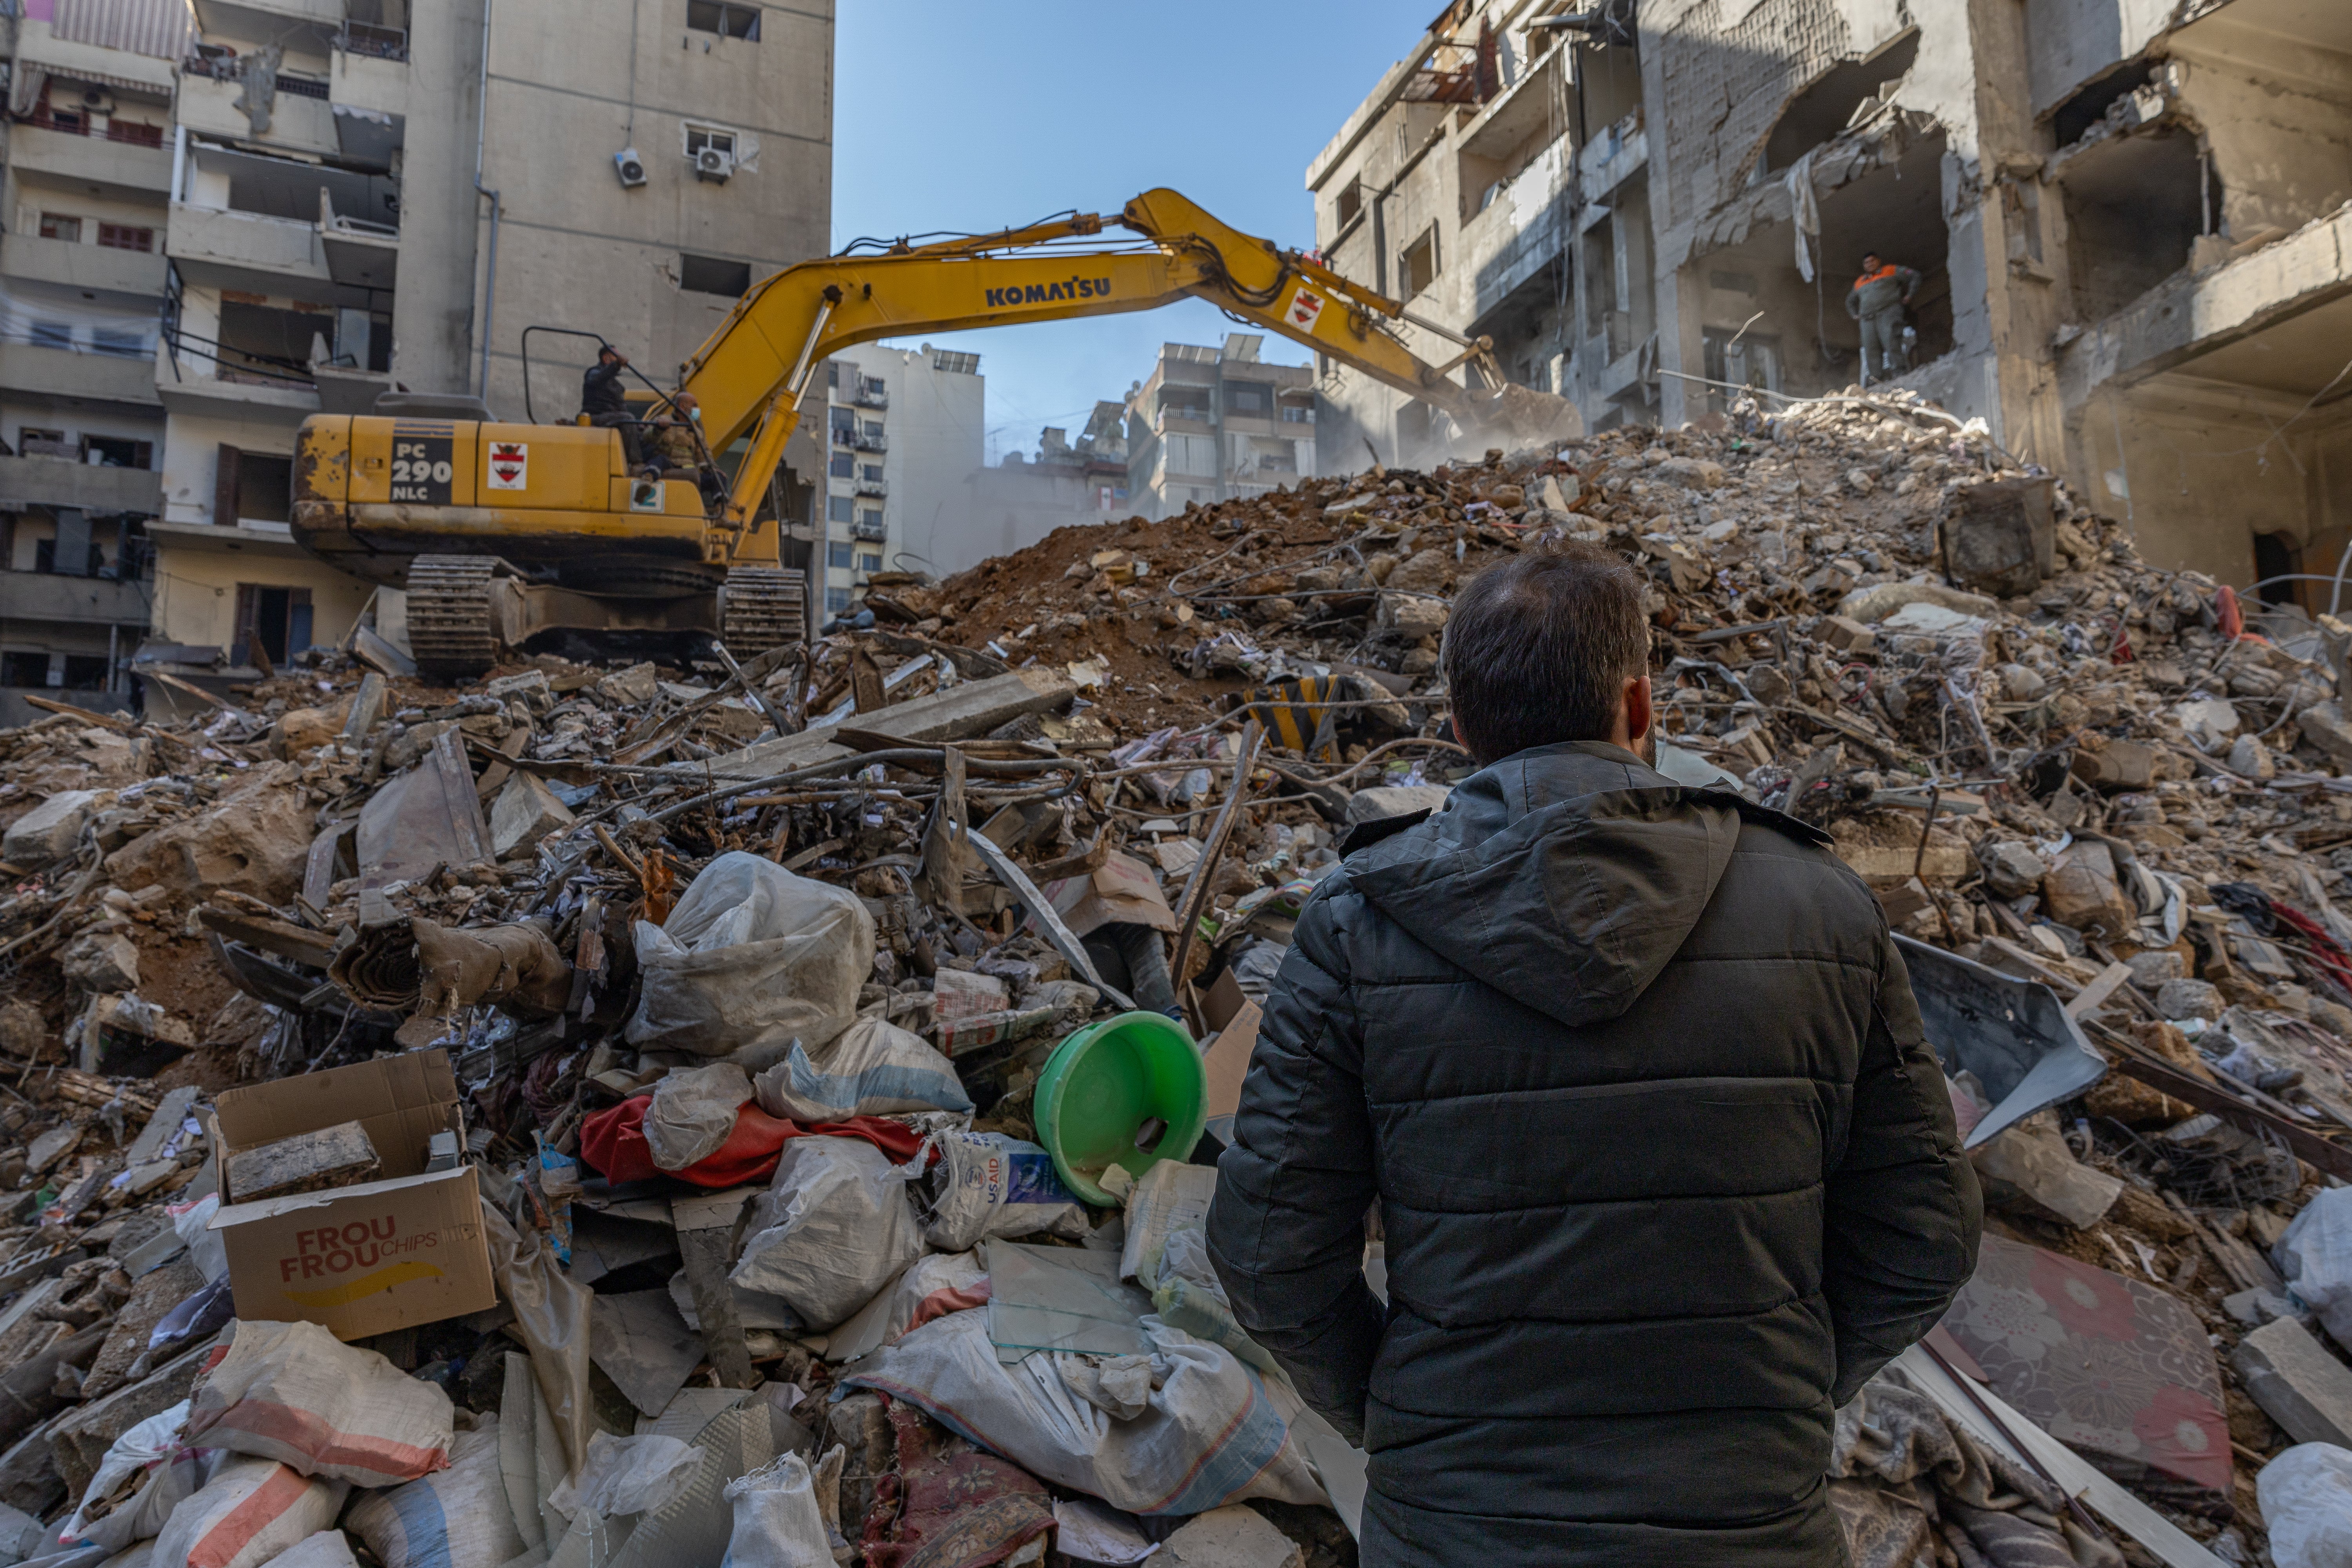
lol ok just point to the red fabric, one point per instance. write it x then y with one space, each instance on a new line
2325 952
614 1142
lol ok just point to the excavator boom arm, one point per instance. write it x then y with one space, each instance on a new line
750 374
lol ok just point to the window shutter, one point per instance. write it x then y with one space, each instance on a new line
224 491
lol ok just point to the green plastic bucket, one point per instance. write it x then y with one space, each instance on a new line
1101 1088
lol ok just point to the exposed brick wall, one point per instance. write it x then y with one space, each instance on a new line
1723 90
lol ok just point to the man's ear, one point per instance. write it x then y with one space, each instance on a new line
1639 712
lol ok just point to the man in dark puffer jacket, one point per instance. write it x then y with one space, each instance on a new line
1634 1074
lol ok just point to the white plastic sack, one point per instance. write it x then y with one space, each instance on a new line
777 1524
831 1229
457 1517
146 1474
987 1185
2316 1258
693 1113
629 1475
2306 1500
873 1069
1208 1437
751 957
293 1392
250 1511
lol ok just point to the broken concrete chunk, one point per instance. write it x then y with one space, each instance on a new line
1846 635
1235 1537
2188 999
50 829
2150 969
2082 891
632 687
2323 724
526 812
51 1147
1395 800
333 1157
2011 868
101 960
2296 1381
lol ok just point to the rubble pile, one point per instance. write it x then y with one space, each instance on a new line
615 1108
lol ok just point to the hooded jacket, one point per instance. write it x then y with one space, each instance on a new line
1665 1172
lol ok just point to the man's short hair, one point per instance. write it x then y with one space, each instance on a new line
1539 649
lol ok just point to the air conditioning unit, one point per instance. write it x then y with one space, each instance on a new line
630 167
96 100
714 164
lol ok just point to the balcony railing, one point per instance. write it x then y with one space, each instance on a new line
127 133
873 488
872 397
873 531
236 365
231 67
366 38
871 441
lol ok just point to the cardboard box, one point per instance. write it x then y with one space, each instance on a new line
364 1259
1120 890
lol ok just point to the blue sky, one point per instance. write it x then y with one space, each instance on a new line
953 115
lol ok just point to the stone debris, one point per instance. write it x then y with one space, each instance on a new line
887 873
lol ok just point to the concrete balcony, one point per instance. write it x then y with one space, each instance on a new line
97 267
370 82
252 251
62 372
54 481
294 22
49 596
118 167
202 387
208 107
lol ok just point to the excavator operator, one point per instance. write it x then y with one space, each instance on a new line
602 401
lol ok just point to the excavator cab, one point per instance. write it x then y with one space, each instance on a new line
501 532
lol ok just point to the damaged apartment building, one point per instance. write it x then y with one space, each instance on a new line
2128 217
288 208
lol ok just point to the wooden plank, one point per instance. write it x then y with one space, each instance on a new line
2094 996
2308 1146
965 710
280 937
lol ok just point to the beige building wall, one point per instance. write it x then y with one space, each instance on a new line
196 582
652 268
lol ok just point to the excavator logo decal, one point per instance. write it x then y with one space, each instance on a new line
1046 293
509 463
1306 307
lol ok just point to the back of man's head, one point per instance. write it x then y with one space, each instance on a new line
1539 649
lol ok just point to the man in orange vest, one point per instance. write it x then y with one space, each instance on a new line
1876 301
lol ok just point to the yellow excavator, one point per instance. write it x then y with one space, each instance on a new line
501 532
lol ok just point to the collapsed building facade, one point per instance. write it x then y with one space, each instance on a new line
2128 217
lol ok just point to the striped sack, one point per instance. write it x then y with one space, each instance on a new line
250 1512
293 1392
458 1517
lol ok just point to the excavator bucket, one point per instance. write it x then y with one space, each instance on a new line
1522 416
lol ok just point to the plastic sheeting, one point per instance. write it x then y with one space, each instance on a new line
751 958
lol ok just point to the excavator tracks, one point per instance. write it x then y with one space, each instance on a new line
765 607
449 629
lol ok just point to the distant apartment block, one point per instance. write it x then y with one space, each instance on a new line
1217 424
904 428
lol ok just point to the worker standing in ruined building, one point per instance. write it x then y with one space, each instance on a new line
1876 301
1634 1072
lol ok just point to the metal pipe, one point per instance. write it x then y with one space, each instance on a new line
498 206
